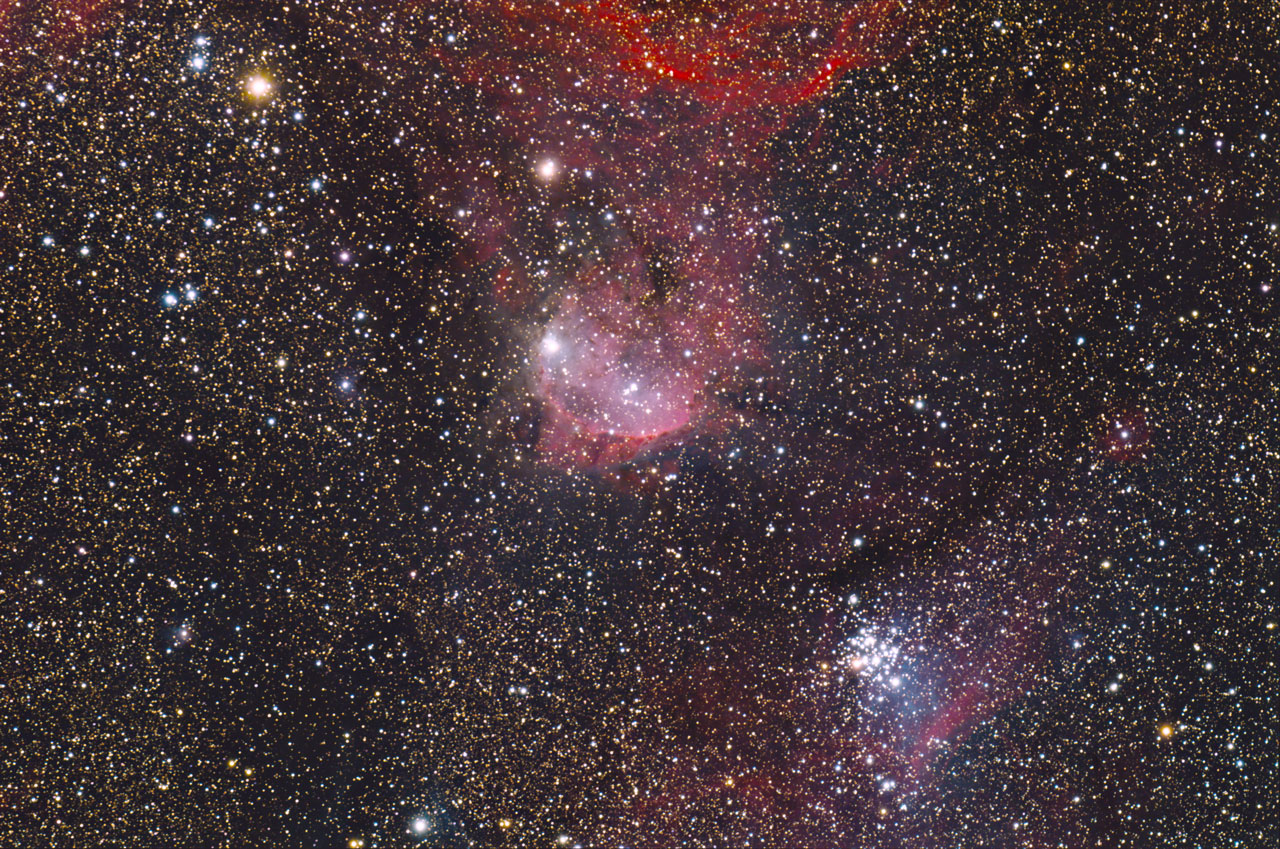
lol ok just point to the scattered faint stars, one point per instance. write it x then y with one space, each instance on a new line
639 424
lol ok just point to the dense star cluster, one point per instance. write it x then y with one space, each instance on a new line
622 423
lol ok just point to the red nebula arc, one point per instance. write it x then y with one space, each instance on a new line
662 114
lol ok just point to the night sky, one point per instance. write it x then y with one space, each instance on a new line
628 423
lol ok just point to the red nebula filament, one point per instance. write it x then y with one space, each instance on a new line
661 112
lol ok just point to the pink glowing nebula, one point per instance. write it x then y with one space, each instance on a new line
662 114
618 369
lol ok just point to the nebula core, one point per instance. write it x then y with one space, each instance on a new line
662 115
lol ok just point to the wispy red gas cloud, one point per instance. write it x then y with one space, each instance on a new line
642 130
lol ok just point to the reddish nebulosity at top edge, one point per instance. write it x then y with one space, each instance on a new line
667 110
51 25
674 105
731 56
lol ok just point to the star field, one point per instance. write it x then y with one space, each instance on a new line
639 424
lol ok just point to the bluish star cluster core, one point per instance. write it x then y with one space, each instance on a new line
639 424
